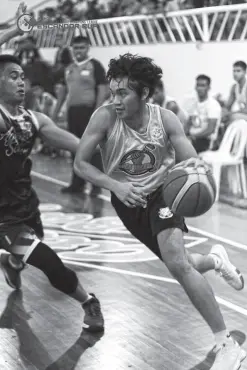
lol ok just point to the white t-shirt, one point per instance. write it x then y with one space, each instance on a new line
202 111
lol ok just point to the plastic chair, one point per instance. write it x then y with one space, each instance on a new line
230 153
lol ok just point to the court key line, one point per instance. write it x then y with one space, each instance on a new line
192 228
222 301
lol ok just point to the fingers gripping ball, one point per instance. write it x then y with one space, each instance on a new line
189 191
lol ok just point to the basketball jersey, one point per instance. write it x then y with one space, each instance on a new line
240 98
18 201
129 156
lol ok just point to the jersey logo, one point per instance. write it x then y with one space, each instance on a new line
138 162
156 132
165 213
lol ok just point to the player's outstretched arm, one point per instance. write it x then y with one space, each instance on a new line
54 135
95 132
13 31
183 148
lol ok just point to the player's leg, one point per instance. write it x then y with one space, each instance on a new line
218 260
172 249
11 264
23 243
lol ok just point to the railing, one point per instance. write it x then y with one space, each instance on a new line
220 23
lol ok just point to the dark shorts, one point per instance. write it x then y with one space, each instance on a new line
17 238
201 144
146 223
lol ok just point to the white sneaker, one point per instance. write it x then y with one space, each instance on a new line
226 269
229 356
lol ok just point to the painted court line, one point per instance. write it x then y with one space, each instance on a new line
194 229
222 301
63 183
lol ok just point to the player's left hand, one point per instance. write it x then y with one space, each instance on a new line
195 163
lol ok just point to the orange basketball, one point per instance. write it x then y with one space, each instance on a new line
189 191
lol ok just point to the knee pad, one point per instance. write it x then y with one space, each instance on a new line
46 260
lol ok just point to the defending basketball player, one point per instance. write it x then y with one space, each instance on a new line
139 143
21 230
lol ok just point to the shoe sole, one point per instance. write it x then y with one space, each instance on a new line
240 359
225 257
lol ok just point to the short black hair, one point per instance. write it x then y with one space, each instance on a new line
80 39
141 72
240 64
7 58
36 84
205 78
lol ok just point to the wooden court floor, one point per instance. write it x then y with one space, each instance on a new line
150 323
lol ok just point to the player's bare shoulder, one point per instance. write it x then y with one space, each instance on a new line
170 120
106 116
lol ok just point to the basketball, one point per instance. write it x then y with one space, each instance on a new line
189 191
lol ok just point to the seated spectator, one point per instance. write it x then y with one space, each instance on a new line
236 106
204 116
160 98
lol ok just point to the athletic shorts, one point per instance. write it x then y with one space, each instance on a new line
146 223
15 238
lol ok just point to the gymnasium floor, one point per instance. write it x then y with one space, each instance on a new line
150 323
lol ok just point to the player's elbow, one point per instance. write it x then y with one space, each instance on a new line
79 166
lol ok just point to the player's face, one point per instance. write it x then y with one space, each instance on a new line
158 96
126 101
12 84
80 51
238 73
202 88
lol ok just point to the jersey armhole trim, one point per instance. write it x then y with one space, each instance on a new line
35 120
162 121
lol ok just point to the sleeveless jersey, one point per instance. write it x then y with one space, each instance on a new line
18 201
240 98
129 156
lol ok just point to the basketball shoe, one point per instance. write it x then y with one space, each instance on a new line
226 269
93 320
229 356
11 271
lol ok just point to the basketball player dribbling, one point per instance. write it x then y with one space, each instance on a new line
139 143
21 229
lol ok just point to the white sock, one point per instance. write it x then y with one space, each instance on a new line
221 337
217 261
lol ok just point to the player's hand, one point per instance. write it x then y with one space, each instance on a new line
132 195
193 162
22 8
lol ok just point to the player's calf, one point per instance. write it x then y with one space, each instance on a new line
65 280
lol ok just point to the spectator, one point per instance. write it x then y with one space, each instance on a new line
86 87
160 98
204 115
236 106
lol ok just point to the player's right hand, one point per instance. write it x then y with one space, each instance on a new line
132 195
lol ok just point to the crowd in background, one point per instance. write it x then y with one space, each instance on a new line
45 83
96 9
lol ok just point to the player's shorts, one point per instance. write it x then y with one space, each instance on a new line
18 238
146 223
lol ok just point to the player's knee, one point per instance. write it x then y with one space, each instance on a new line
179 268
